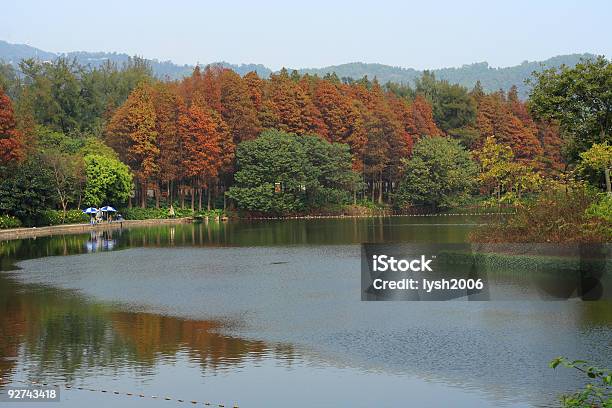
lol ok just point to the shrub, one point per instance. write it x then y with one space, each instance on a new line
138 213
57 217
601 209
556 215
8 221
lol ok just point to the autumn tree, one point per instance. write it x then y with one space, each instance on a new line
202 157
292 107
11 147
237 108
386 140
167 107
422 119
132 132
496 118
552 143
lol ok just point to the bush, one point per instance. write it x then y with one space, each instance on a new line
138 213
57 217
601 209
8 221
559 214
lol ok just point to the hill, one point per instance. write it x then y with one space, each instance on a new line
491 78
13 53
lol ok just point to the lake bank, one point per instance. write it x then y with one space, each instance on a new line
35 232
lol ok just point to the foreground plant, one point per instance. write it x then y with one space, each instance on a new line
596 394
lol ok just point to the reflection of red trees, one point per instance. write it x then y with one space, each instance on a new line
153 335
63 334
12 330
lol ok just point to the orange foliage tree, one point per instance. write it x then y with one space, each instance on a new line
132 132
202 152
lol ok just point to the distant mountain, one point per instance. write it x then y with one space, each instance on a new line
13 53
492 79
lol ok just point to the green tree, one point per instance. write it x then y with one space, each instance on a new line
68 176
281 173
26 190
502 176
440 174
108 181
453 107
579 98
599 157
331 164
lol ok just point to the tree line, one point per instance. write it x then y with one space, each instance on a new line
92 133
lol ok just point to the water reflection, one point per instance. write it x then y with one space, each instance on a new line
253 233
62 336
100 241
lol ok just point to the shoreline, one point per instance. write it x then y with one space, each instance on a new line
69 229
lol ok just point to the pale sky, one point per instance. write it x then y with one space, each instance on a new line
301 34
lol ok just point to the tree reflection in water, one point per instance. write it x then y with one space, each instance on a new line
61 335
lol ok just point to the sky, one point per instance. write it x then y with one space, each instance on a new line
304 34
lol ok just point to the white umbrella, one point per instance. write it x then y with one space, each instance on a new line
108 208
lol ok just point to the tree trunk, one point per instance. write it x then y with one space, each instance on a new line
373 188
64 205
208 199
143 197
380 189
608 186
192 197
169 192
157 193
199 199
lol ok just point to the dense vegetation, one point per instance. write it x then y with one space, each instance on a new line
72 136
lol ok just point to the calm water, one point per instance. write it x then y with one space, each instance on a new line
267 314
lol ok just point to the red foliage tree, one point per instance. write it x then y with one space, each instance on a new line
202 158
167 107
11 140
237 107
422 119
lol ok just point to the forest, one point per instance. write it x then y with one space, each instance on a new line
73 136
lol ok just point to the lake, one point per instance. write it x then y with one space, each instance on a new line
268 313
